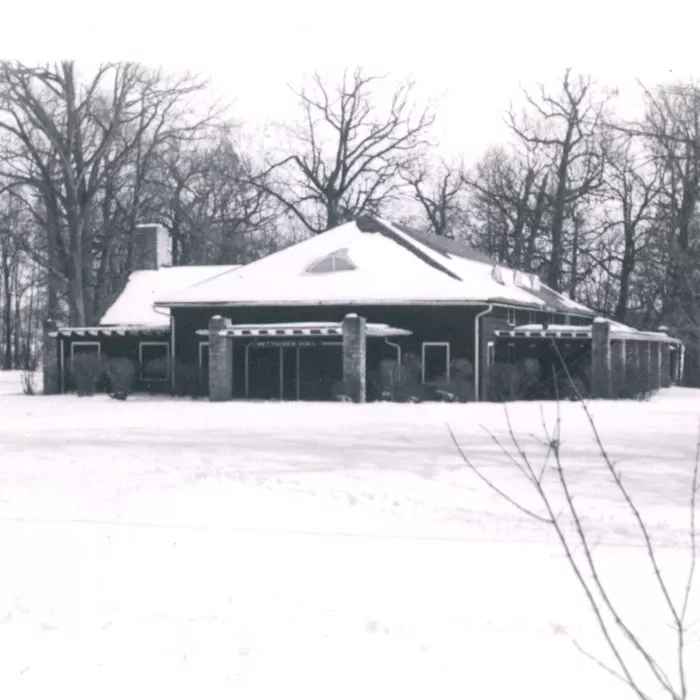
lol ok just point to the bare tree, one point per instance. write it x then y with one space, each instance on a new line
205 198
559 509
569 126
439 189
70 144
347 152
672 133
632 185
508 206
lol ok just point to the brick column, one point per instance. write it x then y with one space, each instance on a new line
220 361
618 350
49 359
600 359
355 357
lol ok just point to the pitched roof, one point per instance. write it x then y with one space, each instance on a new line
134 306
393 264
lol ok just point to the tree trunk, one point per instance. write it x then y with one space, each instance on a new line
7 309
558 212
536 224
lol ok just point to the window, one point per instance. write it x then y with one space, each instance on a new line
490 354
154 361
335 262
78 347
551 319
436 362
204 355
511 317
497 274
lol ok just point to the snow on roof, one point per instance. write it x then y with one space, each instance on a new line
391 268
134 306
618 331
312 329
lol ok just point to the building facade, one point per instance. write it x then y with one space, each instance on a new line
330 309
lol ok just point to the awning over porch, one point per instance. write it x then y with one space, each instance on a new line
110 331
304 330
618 331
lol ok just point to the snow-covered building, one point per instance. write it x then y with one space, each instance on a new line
292 324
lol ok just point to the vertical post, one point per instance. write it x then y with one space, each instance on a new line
600 358
633 374
655 352
355 357
173 356
665 364
645 364
49 358
220 361
672 363
618 349
681 365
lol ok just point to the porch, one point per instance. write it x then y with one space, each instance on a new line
294 361
605 353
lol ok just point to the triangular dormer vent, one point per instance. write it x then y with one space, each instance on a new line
335 262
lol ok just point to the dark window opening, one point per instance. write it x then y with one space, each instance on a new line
154 362
436 362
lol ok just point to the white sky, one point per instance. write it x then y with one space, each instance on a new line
474 54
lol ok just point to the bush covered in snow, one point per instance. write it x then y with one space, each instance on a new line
28 381
403 383
87 369
120 373
192 380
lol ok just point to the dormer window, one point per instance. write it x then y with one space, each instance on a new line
335 262
497 274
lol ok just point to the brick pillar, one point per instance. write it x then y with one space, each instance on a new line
49 359
618 350
665 364
220 361
600 359
355 357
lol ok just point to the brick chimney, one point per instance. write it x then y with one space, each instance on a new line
152 248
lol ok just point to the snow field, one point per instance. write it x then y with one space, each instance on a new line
177 548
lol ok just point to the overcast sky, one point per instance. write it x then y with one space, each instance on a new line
474 55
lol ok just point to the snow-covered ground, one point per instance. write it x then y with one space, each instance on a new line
181 549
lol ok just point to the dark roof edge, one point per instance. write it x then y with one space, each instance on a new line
369 224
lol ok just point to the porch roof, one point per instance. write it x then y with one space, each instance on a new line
110 331
618 331
266 330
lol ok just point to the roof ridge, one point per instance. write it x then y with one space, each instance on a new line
389 230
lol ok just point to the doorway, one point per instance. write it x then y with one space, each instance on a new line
290 372
271 372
